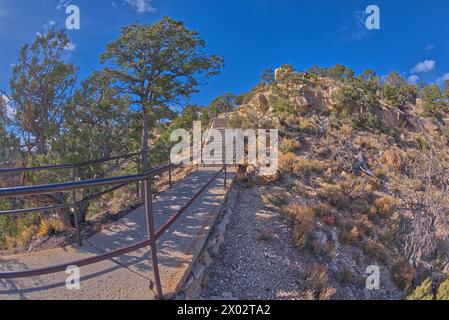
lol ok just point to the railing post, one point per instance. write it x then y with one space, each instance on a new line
151 236
225 176
138 193
201 149
169 171
76 210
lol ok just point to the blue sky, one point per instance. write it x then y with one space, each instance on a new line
252 34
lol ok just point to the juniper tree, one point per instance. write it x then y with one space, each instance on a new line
158 65
41 85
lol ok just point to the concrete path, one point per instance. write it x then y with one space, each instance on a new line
129 276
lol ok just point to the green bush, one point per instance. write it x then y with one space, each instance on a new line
282 106
423 292
443 291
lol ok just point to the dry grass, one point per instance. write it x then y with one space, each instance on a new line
384 206
48 227
333 195
346 130
292 163
274 198
392 159
306 125
22 240
316 284
304 223
265 236
289 145
350 237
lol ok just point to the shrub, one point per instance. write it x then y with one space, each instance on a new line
422 142
307 126
304 223
345 275
289 145
291 122
288 161
15 230
392 158
277 199
48 227
25 236
384 206
423 292
350 237
300 165
323 209
376 250
317 283
346 130
282 106
403 274
265 236
333 195
443 291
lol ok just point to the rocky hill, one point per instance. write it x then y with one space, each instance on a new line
364 175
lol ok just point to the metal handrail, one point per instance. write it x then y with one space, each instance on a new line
153 235
112 254
68 165
84 184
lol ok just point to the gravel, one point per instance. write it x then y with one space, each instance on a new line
257 259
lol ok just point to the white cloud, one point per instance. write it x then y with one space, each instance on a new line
413 79
442 80
62 4
51 22
70 46
430 47
423 67
10 111
141 6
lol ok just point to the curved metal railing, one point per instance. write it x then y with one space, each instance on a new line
146 178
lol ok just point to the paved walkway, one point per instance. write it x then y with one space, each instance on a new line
129 276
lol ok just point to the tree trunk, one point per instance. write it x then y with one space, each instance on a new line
145 135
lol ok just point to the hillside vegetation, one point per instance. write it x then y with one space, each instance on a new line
363 177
